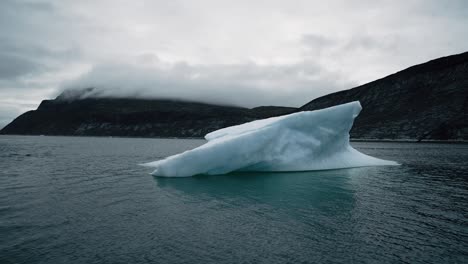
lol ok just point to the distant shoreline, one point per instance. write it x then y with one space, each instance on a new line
201 138
410 141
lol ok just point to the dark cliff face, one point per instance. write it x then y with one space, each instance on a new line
424 102
132 117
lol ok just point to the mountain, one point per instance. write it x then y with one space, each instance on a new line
72 115
424 102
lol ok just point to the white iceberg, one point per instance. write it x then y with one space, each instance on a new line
303 141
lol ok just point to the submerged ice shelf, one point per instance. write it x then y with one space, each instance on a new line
309 140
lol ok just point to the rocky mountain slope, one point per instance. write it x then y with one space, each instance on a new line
424 102
132 117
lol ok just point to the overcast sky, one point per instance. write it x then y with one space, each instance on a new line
245 53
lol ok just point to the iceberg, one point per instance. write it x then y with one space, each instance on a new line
302 141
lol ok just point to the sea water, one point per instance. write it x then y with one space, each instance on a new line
85 200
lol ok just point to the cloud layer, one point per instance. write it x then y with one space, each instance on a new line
247 84
238 52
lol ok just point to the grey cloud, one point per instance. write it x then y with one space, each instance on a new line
453 9
12 66
299 50
320 44
27 47
38 51
317 43
22 19
236 84
31 60
366 42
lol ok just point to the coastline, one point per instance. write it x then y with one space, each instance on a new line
435 141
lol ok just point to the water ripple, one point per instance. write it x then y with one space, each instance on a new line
80 200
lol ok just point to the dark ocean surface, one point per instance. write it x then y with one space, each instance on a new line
85 200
